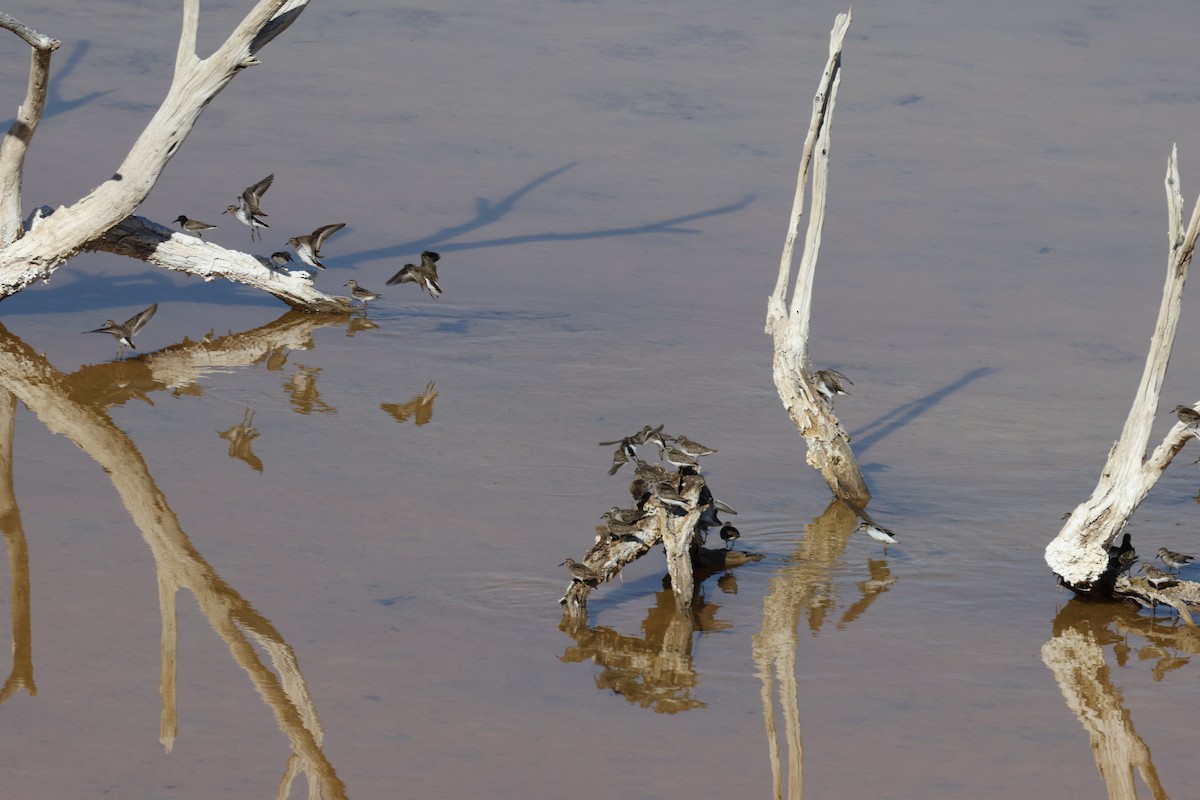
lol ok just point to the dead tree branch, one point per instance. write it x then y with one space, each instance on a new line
810 409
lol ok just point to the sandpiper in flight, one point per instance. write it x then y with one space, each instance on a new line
425 275
309 247
829 382
124 333
248 208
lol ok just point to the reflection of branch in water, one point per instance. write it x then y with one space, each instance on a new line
241 441
21 676
1075 655
806 585
303 393
655 671
49 395
421 406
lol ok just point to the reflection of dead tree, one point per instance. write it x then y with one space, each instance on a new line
655 671
799 388
420 407
804 586
21 676
1076 657
46 393
101 220
1079 554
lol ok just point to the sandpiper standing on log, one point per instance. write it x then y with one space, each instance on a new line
1156 577
729 535
309 247
425 275
1188 416
1174 560
193 225
359 293
830 382
1124 556
581 572
124 333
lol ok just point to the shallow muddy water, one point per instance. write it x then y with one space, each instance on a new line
266 537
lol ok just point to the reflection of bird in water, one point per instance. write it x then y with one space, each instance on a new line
241 439
829 382
581 572
420 407
124 333
729 535
727 583
1124 556
1168 664
1173 559
1156 577
303 393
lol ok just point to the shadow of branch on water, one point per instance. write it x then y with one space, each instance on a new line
488 213
898 417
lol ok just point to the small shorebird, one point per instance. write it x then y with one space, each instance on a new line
124 333
193 225
1174 560
729 535
1188 416
359 293
1125 556
581 572
1156 577
425 275
878 533
679 459
281 258
667 494
639 490
626 515
248 208
617 529
692 449
830 382
309 247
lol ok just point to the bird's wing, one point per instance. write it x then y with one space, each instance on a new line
322 233
253 195
408 274
139 320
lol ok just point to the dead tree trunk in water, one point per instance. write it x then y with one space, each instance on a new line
1079 555
101 220
812 412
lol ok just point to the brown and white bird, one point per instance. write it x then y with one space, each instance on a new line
124 333
359 293
1188 416
1156 577
309 247
425 275
193 225
581 572
830 382
1174 560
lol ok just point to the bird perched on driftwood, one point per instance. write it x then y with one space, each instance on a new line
1123 557
830 382
1188 416
729 535
1156 577
193 225
581 572
425 275
1174 560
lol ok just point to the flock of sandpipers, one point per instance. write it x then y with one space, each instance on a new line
1122 557
248 211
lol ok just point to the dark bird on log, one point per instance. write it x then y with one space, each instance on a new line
1174 560
581 572
193 225
1124 556
729 535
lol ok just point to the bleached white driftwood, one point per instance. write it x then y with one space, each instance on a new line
30 255
828 443
1079 554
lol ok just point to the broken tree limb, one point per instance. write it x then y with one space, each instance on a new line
34 254
1079 555
811 411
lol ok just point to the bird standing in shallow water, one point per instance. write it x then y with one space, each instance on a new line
124 333
193 225
879 534
581 572
309 247
425 275
1174 560
729 535
359 293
